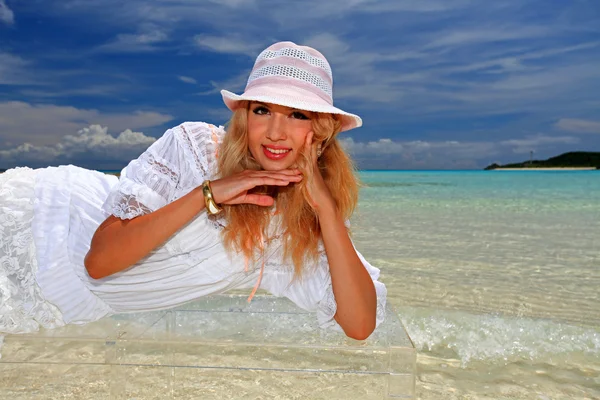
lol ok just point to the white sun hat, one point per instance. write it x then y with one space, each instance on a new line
294 76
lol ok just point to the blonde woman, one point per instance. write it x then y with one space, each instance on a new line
263 203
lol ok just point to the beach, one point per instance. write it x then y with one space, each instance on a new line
495 277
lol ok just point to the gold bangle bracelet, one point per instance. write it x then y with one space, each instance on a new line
211 207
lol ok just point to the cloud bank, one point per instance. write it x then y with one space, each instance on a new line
45 124
91 147
578 125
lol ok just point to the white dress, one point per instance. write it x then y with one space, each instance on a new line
48 217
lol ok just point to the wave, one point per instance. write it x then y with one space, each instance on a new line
493 338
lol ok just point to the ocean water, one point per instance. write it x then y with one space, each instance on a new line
496 276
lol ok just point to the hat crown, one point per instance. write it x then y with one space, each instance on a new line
286 63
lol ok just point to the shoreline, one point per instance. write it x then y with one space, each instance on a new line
546 169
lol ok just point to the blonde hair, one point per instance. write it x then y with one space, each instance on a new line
247 224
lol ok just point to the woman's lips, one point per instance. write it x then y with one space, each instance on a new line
277 153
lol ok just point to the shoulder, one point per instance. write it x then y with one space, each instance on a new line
200 133
200 143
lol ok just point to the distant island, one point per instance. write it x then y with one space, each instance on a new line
572 160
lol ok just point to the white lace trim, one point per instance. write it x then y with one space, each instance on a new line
148 182
292 72
200 142
125 201
23 308
161 167
194 151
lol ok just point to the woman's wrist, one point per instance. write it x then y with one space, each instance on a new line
326 208
211 205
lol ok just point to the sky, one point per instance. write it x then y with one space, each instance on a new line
439 84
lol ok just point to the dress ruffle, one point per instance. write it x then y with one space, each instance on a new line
23 307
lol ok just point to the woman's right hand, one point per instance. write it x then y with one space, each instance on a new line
234 189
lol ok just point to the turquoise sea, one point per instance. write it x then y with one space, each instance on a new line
495 274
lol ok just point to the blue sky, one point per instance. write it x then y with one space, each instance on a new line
441 84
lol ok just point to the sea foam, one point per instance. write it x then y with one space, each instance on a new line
494 338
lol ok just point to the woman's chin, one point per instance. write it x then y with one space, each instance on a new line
270 165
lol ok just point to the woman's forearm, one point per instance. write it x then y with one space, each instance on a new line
353 287
118 244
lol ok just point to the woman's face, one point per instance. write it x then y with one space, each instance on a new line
277 134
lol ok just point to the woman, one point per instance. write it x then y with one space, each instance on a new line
201 211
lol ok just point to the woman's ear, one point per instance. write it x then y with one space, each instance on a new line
326 142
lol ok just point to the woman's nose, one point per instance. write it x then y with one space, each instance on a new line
276 130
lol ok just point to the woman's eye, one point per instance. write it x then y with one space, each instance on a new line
299 115
261 110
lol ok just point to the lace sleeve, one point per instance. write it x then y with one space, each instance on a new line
148 182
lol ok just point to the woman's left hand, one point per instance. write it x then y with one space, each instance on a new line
321 197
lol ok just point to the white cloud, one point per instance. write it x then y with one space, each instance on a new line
329 44
535 143
6 14
482 35
229 44
46 124
355 73
12 70
448 154
187 79
220 115
517 57
91 146
89 91
418 154
578 125
144 41
414 6
235 84
389 146
540 140
311 10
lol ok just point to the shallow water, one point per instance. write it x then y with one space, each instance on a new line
495 275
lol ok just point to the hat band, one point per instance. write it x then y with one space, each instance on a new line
288 71
283 82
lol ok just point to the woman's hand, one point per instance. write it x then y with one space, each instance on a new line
234 189
319 193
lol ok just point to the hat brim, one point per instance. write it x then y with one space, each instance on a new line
291 99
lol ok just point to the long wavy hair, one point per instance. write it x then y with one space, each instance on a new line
247 225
